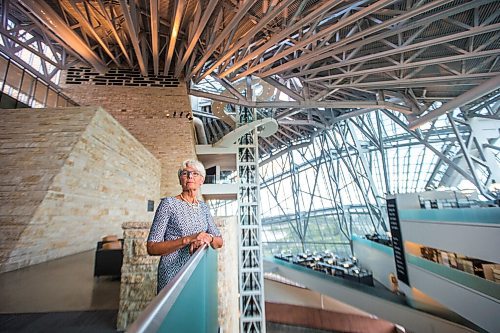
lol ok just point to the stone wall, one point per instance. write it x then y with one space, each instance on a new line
157 117
228 274
138 281
69 176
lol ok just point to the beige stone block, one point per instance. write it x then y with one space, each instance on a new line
136 225
137 293
136 234
140 249
132 278
134 306
141 261
151 267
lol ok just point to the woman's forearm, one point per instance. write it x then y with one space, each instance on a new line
167 247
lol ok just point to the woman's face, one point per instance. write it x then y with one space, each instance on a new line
191 179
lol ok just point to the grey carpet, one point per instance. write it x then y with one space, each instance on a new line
102 321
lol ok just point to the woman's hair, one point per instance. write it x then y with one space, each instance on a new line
193 164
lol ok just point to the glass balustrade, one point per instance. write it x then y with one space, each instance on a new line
189 303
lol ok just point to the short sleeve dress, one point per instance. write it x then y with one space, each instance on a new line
173 219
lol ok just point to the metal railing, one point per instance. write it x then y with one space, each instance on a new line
188 303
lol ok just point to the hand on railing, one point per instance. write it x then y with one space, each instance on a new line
201 238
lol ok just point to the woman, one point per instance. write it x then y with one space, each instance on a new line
182 224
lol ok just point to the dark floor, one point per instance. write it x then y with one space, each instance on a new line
282 328
61 295
100 321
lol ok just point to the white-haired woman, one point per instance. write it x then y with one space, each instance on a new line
182 224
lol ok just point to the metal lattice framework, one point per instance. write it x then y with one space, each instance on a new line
331 58
251 276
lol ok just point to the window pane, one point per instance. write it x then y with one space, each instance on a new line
61 101
3 69
27 88
51 99
40 95
13 81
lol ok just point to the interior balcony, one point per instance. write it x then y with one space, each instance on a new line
221 181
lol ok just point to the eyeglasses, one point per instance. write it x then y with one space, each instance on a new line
186 174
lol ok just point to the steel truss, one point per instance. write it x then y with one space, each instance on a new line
24 40
367 157
251 276
330 57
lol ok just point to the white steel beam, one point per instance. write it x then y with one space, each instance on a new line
467 97
207 14
242 11
283 34
248 37
315 37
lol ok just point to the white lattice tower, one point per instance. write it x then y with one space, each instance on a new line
251 279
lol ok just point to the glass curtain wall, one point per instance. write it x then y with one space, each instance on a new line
315 197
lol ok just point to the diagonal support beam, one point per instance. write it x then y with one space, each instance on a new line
153 8
318 36
50 19
468 97
111 27
207 14
133 33
242 11
179 9
283 88
262 23
88 25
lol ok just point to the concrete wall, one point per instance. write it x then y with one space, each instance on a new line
157 117
382 265
69 176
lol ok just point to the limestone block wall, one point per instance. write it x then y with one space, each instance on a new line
228 274
69 176
158 117
138 281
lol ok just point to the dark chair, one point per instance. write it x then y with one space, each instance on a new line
108 262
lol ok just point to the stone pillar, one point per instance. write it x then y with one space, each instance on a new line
138 281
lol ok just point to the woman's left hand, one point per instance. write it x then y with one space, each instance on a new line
201 238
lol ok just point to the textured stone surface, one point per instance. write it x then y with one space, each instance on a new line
69 177
138 281
227 283
157 117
